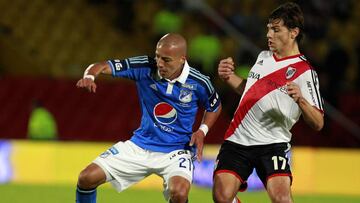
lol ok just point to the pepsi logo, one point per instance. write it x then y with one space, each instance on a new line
164 113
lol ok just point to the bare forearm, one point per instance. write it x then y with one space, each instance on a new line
97 68
236 83
210 117
91 72
198 136
226 73
312 116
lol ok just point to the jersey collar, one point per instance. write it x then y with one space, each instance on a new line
287 57
182 77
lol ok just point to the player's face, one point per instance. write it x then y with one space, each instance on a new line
169 63
279 36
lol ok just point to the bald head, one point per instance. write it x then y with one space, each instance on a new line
170 55
175 42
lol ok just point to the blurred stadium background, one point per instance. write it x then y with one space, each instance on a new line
46 45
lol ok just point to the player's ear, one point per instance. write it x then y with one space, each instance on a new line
294 32
183 59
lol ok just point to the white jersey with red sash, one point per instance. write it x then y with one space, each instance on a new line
266 113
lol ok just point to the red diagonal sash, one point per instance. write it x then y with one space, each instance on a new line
261 88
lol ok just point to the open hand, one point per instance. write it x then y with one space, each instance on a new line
87 83
197 138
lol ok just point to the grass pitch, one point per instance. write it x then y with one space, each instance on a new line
14 193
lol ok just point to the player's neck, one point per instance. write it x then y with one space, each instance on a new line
287 51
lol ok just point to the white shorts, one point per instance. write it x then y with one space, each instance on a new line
125 164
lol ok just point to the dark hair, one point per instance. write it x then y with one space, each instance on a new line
292 17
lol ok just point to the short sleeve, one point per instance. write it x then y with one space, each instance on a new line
132 68
310 89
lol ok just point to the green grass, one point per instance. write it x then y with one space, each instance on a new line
14 193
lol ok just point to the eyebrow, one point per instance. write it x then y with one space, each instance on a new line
163 57
167 58
270 25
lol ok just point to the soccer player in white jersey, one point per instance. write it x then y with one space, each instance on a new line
280 87
170 94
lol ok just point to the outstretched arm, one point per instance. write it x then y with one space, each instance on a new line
91 72
312 116
197 137
226 73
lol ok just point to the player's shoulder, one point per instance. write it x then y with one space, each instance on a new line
193 72
265 54
201 79
304 66
305 63
141 61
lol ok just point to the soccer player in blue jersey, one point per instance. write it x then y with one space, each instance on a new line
170 93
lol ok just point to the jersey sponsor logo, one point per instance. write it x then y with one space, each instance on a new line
185 95
274 84
290 72
164 113
254 75
311 91
163 127
189 86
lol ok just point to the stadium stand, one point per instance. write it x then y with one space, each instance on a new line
60 38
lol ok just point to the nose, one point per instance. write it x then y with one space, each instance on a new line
268 34
160 63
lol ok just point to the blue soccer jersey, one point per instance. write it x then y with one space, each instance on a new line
168 107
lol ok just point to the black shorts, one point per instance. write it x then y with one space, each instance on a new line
239 160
